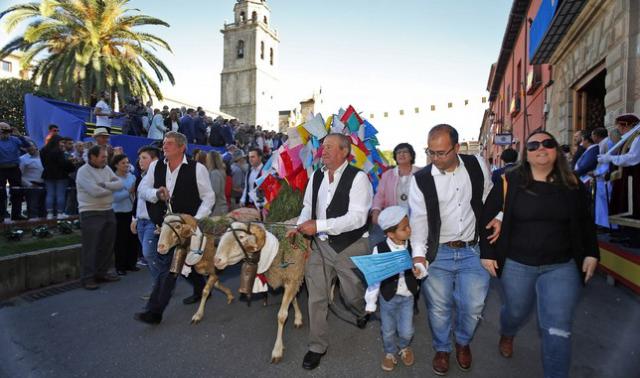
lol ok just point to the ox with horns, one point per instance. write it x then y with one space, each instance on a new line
243 241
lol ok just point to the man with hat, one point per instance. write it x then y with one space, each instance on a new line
10 151
628 166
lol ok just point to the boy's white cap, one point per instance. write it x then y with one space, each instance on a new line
391 216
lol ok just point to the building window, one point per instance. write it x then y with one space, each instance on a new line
240 49
254 16
6 66
271 56
264 19
262 50
243 17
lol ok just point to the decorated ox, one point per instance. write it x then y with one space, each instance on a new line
285 269
183 232
177 231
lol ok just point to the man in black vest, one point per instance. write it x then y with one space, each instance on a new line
249 196
336 204
446 200
185 183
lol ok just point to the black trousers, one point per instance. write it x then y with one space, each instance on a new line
166 282
13 176
127 244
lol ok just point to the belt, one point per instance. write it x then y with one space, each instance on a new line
460 243
8 165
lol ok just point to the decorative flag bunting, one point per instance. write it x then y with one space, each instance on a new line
301 155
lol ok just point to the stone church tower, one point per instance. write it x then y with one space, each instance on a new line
249 82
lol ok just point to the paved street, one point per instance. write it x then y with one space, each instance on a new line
79 333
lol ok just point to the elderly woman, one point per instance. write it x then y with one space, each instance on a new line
393 188
547 240
218 177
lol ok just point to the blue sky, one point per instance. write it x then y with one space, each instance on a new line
379 55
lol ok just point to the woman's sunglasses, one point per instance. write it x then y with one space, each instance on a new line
547 143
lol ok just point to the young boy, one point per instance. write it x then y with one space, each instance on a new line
396 293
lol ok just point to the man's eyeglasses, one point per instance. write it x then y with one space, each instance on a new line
547 143
438 154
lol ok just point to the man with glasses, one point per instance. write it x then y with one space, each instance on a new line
446 199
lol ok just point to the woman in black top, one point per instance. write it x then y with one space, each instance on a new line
548 239
56 176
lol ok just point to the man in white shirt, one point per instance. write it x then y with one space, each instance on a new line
249 196
184 183
446 199
32 182
103 111
336 205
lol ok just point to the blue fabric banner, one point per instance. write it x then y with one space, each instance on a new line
381 266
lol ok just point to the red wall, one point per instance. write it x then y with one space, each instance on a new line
534 101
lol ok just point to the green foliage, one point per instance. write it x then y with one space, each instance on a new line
286 205
79 48
12 100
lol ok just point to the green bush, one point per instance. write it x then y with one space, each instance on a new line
12 100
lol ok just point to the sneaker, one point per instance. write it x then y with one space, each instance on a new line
50 216
63 216
389 362
406 355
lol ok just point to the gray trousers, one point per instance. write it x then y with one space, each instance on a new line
98 237
319 276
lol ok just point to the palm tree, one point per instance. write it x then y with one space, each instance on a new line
80 47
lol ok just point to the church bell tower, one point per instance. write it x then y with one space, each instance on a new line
248 82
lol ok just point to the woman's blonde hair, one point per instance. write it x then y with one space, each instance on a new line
214 161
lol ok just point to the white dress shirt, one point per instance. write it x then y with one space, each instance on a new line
360 198
371 295
458 222
253 176
631 158
147 192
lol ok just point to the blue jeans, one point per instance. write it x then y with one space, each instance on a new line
455 277
149 243
555 289
56 192
396 316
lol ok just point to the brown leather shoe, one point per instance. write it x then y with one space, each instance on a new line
389 362
406 355
441 363
463 356
506 346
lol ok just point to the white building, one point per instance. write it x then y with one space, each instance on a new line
249 75
10 67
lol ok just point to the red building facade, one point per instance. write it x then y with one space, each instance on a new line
517 89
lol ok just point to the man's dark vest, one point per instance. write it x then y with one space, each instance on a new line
338 207
427 186
185 198
248 199
389 286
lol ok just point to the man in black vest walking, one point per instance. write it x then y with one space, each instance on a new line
336 204
185 183
446 199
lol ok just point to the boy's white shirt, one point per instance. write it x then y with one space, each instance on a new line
371 295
